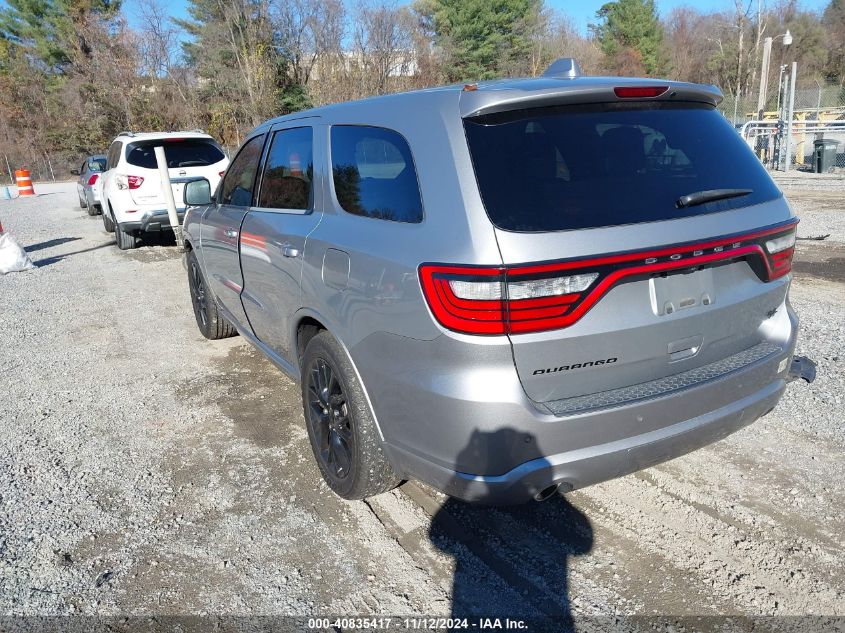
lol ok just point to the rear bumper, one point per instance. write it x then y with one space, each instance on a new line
584 467
153 220
91 195
458 418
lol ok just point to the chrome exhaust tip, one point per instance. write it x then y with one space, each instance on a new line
546 493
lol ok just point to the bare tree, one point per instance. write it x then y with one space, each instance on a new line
558 37
310 32
158 48
384 47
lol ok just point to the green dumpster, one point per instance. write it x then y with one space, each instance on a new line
824 155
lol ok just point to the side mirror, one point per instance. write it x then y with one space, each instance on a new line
74 172
197 193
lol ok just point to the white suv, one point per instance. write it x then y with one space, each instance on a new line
132 198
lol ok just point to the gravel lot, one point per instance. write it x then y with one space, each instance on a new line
145 470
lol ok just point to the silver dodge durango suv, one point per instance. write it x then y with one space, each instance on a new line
504 289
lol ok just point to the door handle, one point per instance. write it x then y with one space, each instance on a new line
230 233
289 251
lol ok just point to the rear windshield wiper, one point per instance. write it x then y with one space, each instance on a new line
700 197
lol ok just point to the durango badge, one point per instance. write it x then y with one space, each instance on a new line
590 363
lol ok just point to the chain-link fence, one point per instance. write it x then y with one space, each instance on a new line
813 136
42 167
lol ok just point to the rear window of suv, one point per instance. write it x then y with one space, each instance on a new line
578 167
182 153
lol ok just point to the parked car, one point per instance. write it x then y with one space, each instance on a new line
507 289
86 185
133 199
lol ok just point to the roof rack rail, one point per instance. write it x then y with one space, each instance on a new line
125 133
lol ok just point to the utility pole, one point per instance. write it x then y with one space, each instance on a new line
764 77
789 114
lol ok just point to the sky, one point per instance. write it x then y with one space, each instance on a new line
583 12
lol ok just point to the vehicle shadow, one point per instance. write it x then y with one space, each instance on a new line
162 238
527 547
50 243
47 261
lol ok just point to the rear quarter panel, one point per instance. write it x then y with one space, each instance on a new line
383 291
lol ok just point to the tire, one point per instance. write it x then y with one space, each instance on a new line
83 204
340 425
108 223
92 208
210 322
125 241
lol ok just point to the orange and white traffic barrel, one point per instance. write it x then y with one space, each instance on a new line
24 182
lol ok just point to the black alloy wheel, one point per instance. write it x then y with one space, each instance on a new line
329 419
198 294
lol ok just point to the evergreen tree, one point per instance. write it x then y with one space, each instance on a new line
242 69
52 30
481 39
630 34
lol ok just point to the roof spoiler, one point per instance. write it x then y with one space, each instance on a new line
563 68
548 91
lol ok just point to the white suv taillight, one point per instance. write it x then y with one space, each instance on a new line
128 182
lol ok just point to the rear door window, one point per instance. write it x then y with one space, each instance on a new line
182 153
578 167
287 182
374 174
114 154
239 180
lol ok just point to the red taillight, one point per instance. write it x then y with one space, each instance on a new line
638 92
93 179
781 263
480 315
220 173
135 181
781 249
499 300
554 295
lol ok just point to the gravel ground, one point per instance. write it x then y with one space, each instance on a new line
145 470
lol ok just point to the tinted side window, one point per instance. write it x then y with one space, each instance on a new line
289 171
240 177
374 173
114 154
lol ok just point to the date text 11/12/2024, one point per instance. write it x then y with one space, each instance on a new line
416 623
